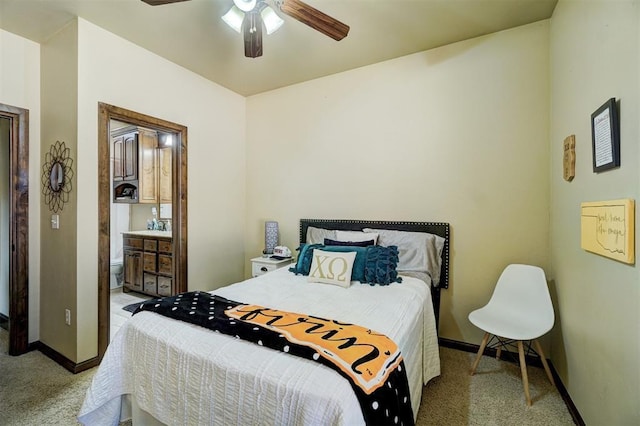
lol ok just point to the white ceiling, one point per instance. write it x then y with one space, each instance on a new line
192 34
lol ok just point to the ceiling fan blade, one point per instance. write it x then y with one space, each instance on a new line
160 2
252 31
314 18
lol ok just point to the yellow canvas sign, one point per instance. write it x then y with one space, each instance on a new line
607 229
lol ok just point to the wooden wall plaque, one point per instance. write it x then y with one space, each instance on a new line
608 229
569 158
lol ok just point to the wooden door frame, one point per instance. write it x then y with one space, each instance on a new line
18 227
106 113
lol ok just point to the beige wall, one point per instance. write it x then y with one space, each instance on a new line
58 256
456 134
82 66
20 87
595 53
117 72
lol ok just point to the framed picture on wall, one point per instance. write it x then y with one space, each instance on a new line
605 137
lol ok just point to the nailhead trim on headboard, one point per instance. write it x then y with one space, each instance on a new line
438 228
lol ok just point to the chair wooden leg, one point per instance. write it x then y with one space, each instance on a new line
523 370
480 351
544 361
498 352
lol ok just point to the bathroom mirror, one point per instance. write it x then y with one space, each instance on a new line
56 177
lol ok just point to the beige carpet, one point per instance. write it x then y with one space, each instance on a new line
493 396
34 390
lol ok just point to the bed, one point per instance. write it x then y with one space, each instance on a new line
171 372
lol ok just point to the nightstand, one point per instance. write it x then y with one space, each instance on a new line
262 265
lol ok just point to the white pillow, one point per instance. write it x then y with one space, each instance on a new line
331 267
356 236
317 235
419 252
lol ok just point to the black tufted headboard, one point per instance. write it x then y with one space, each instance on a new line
437 228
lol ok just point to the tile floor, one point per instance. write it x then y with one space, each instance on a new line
119 299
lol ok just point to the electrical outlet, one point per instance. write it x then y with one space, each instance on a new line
67 316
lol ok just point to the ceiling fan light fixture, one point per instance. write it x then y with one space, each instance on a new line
234 18
271 20
245 5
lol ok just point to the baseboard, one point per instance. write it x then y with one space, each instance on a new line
504 356
4 322
66 362
513 357
573 410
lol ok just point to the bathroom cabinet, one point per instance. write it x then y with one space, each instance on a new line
135 165
132 263
148 164
125 156
164 179
148 262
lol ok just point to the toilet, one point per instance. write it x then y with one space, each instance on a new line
119 224
115 273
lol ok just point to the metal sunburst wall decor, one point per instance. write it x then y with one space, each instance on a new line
56 176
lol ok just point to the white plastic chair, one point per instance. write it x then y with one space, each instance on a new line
520 310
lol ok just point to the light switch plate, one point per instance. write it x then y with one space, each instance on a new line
55 221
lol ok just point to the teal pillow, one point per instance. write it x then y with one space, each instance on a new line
380 265
305 256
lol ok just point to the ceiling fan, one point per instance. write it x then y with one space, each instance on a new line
248 16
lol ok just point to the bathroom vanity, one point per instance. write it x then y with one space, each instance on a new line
148 262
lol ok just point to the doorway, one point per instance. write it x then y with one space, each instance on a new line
5 137
108 114
18 228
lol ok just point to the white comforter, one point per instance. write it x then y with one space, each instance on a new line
183 374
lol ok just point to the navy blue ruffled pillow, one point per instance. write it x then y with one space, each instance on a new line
380 265
373 264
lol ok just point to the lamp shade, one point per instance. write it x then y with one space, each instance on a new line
271 236
234 18
271 20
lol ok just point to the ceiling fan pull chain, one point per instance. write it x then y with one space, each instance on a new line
252 29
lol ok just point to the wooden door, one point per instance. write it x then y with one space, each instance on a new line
118 156
133 270
130 166
148 181
165 181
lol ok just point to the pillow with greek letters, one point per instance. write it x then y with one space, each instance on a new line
331 267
